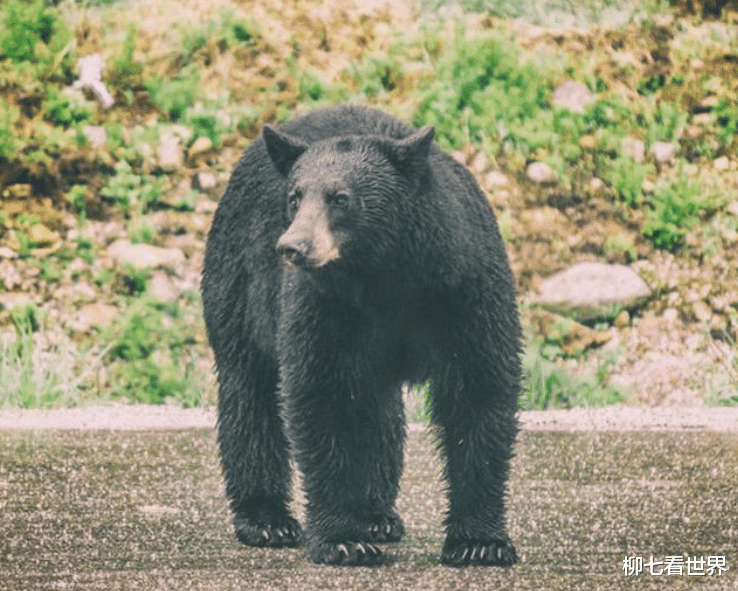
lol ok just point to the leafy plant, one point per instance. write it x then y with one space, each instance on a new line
64 109
150 359
174 96
626 177
8 144
482 93
34 32
125 71
126 188
548 385
675 209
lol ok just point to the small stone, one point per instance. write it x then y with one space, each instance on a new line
201 145
702 311
596 185
572 95
96 315
709 102
541 173
733 208
663 151
693 132
40 235
633 148
496 179
622 320
588 142
671 315
478 163
169 152
205 181
160 287
96 135
721 163
20 191
648 187
703 119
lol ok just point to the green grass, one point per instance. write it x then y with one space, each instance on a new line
549 386
29 376
152 358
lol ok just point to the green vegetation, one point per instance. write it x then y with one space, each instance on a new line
127 189
549 385
152 358
480 83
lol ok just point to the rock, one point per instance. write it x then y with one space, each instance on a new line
170 154
161 287
40 235
702 311
544 222
622 320
496 179
7 253
663 152
591 291
96 135
704 119
20 191
709 102
596 185
96 314
141 256
633 148
721 163
541 173
572 95
588 142
573 337
205 182
201 145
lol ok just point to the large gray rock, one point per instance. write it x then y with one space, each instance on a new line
141 256
591 291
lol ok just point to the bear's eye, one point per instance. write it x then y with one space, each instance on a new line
338 199
293 200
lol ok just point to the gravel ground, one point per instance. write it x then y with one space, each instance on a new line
141 417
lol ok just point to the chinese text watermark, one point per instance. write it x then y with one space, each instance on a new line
695 566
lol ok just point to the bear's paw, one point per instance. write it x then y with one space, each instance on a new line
283 533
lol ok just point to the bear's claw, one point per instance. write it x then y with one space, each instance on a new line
284 533
479 552
347 554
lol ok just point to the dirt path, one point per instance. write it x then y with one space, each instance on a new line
141 417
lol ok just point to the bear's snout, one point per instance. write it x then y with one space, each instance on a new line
293 251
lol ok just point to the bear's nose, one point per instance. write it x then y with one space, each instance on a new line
295 253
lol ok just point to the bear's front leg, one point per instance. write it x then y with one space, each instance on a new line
474 406
351 478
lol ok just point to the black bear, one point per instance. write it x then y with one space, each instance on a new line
350 255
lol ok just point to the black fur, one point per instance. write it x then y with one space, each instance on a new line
311 356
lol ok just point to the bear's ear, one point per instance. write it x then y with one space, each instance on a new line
414 148
283 149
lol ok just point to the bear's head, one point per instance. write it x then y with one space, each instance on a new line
348 198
